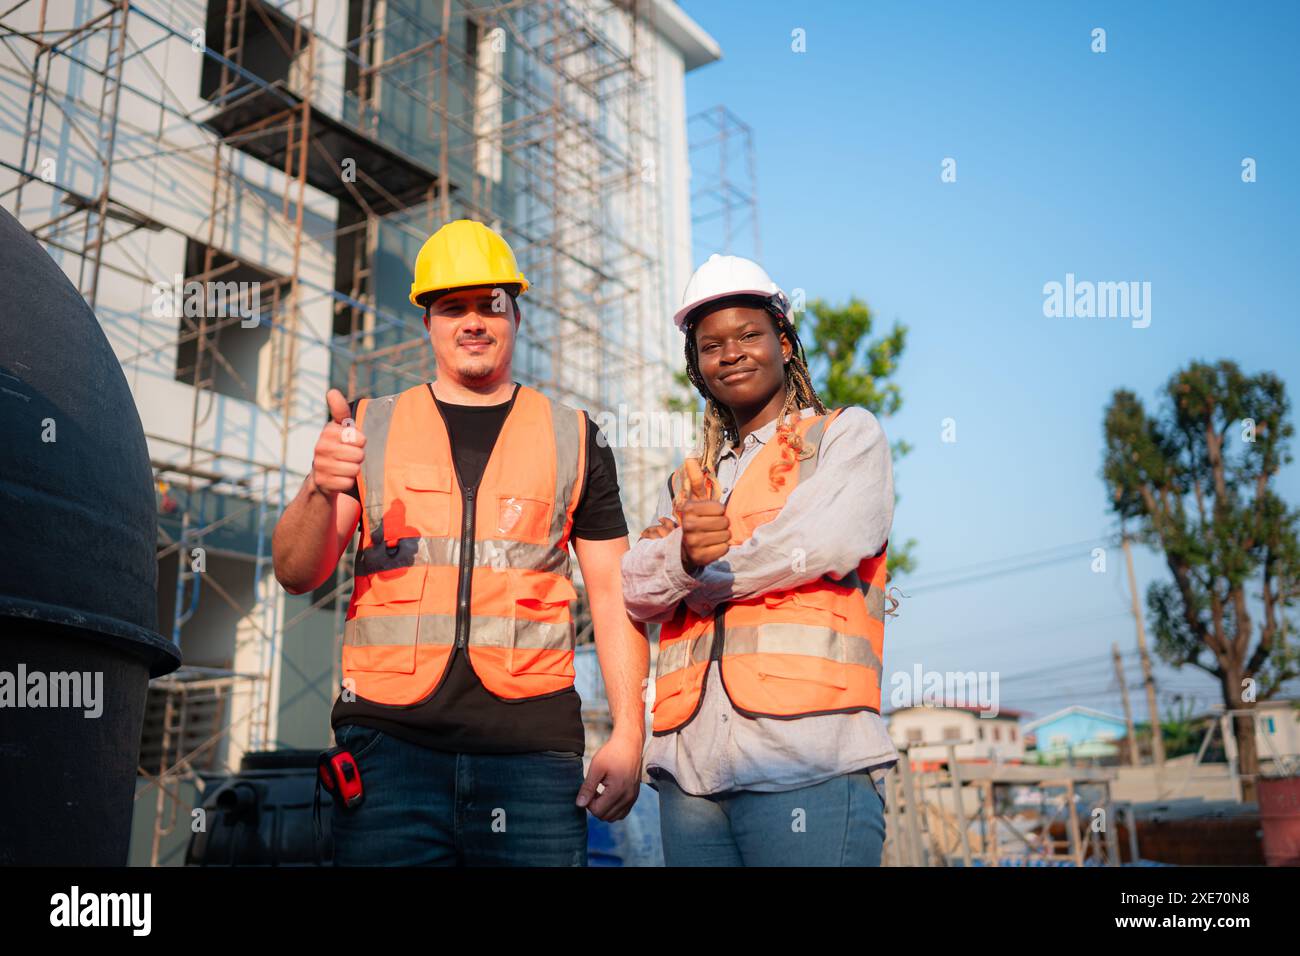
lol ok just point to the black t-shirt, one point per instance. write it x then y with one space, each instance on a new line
463 716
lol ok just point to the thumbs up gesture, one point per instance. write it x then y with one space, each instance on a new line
706 530
340 450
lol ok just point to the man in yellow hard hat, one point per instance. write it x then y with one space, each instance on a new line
458 703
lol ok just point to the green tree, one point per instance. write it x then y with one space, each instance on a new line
676 403
849 368
1179 728
1196 480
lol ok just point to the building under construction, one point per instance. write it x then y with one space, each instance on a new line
239 188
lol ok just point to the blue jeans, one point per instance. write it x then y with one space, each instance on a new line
839 822
425 807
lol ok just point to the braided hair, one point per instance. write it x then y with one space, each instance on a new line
720 424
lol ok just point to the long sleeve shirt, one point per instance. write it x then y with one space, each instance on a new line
840 515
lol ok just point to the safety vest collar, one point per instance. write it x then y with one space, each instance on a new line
444 437
763 434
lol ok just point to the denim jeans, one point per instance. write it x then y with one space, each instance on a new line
838 822
424 807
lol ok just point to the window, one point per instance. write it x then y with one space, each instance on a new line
238 300
952 733
913 735
997 733
264 45
979 729
1270 725
1011 732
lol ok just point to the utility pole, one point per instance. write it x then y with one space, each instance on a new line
1128 710
1157 740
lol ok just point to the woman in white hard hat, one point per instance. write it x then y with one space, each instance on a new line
766 573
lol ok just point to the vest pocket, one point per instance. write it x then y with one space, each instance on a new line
384 632
523 519
782 684
783 668
774 600
668 687
673 690
541 630
817 605
748 522
424 509
797 648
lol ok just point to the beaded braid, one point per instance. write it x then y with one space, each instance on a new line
799 394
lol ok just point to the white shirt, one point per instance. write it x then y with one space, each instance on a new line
840 515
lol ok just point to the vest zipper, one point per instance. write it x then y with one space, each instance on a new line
466 564
465 574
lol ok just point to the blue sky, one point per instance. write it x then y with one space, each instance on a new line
1119 166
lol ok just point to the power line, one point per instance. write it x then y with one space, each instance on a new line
1033 629
978 565
1070 554
1079 662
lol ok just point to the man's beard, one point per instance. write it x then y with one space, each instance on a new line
474 371
476 368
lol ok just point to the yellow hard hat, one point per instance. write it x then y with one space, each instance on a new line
464 253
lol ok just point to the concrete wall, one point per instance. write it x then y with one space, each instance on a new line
1181 778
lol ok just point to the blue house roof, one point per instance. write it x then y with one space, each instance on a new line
1076 729
1075 710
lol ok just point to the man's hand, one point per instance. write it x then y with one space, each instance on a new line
663 529
340 450
617 765
706 529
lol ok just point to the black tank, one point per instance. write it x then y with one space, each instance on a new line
78 572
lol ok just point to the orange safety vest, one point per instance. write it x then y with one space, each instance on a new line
815 648
442 566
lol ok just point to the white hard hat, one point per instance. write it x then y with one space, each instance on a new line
723 276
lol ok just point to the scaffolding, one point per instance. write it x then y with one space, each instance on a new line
536 117
992 814
724 192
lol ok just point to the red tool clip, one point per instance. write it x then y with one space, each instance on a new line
339 775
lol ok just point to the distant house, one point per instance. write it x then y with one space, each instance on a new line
986 736
1077 731
1277 731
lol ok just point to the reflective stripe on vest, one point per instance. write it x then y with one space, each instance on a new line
812 649
402 622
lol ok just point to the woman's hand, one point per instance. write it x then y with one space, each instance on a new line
665 527
706 530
